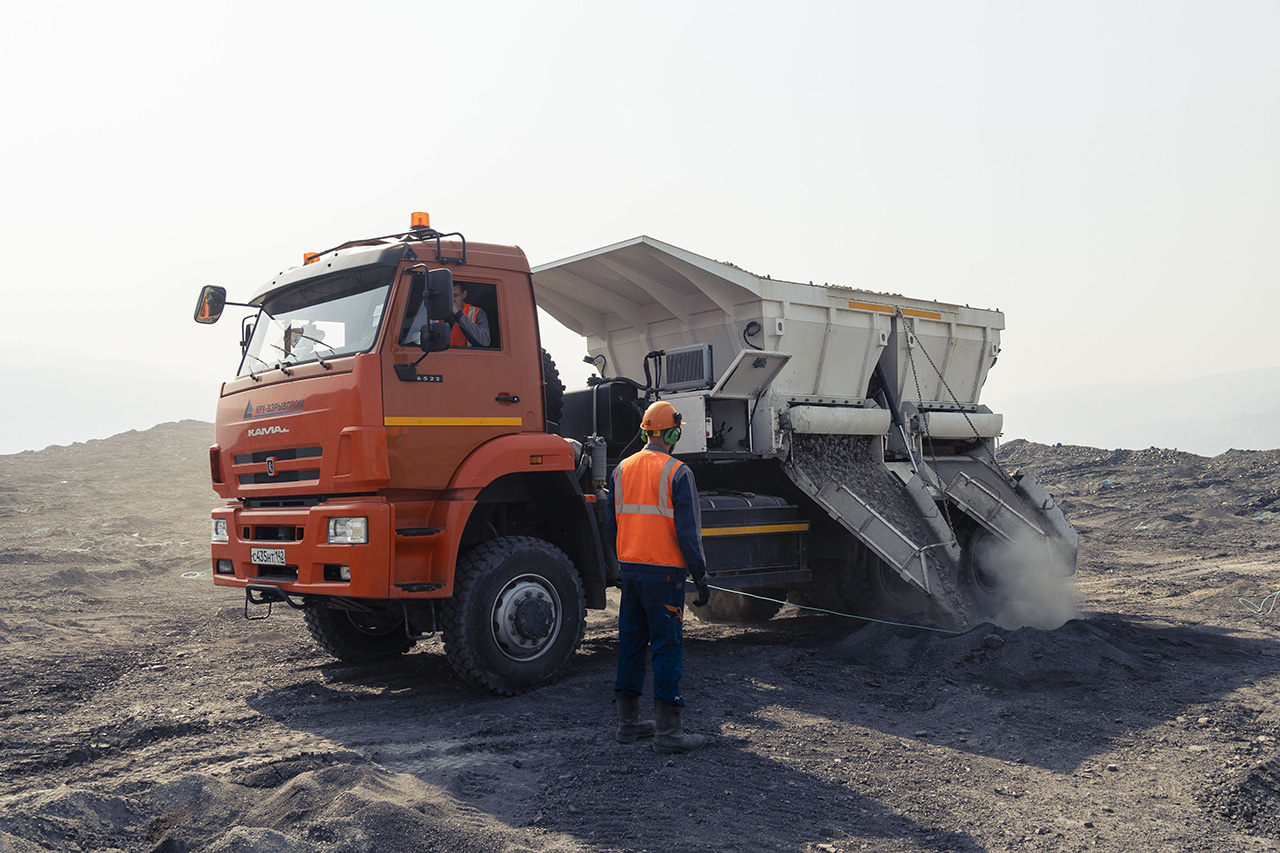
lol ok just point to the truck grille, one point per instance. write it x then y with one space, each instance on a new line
282 455
274 460
280 477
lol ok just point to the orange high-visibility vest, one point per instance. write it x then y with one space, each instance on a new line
643 509
456 337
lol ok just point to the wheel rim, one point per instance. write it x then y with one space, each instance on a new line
526 617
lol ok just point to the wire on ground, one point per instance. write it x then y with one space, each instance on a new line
838 613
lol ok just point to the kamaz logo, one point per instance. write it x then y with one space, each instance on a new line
271 430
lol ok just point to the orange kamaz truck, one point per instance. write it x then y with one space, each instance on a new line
392 483
399 457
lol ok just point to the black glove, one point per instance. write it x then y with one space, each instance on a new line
704 594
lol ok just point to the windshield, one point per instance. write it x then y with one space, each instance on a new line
319 320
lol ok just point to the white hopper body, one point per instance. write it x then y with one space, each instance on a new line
643 295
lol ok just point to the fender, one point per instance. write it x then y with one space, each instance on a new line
535 453
549 458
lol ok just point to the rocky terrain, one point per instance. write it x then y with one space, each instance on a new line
140 711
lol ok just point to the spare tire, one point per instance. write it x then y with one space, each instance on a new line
552 393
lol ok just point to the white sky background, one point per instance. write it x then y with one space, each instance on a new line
1106 173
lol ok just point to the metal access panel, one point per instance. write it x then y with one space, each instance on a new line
712 427
751 372
753 541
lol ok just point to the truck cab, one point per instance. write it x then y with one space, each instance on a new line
365 443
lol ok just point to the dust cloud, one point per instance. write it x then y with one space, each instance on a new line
1033 579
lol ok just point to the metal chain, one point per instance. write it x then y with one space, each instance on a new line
946 510
943 380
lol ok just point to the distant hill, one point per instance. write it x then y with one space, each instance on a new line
1206 416
60 396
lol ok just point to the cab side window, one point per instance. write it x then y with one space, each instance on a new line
475 324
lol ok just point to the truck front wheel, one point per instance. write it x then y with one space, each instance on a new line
357 637
517 614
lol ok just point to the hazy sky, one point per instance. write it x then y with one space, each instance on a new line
1106 173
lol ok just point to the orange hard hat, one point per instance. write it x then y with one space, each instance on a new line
660 416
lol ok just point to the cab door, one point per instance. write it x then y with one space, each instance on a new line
461 397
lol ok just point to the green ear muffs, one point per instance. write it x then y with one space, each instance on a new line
671 436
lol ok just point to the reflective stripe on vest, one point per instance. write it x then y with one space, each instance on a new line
456 337
647 520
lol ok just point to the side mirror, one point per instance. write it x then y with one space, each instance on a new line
434 337
213 300
438 295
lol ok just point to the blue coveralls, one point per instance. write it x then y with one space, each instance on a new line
652 609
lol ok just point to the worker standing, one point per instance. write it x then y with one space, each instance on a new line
658 528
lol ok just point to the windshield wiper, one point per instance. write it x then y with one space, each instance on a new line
279 365
319 358
253 375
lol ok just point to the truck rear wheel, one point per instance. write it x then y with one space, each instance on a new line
860 585
732 607
357 637
517 614
980 581
891 595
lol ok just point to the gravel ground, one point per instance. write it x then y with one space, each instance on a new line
141 712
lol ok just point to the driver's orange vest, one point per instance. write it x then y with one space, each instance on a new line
456 338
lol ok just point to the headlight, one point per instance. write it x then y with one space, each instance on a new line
348 531
219 530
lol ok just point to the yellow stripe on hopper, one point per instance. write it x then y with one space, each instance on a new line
759 528
452 421
889 309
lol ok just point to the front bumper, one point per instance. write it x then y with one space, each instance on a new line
288 547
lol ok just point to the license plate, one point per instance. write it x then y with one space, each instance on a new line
267 556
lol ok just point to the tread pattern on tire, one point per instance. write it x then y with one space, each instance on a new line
471 572
347 643
553 390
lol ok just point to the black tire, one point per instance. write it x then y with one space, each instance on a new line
983 591
860 585
357 637
552 392
517 615
889 595
732 607
834 586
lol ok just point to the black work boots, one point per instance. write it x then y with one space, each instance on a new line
670 736
630 728
669 731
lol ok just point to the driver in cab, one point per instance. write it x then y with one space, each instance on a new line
470 325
